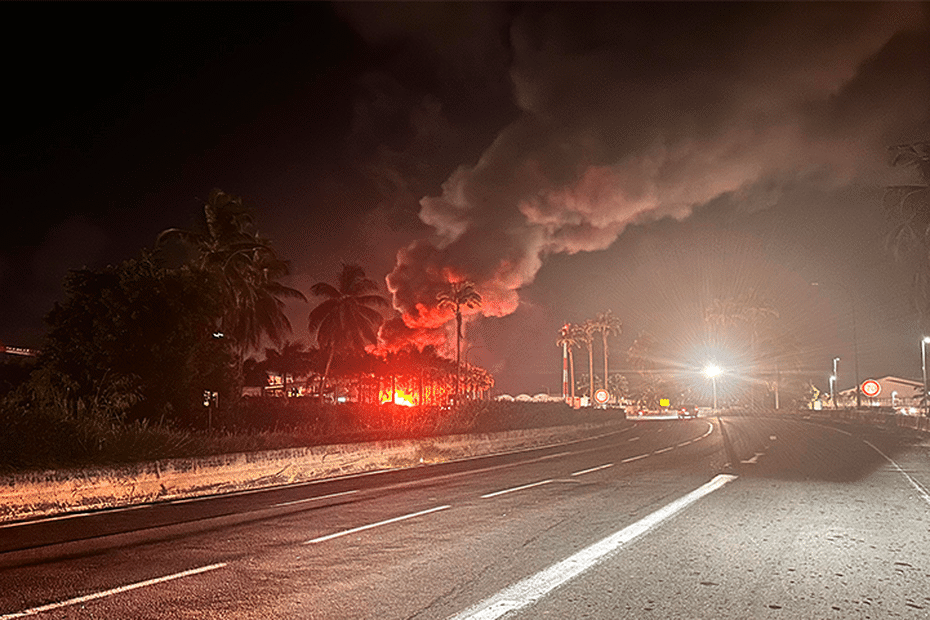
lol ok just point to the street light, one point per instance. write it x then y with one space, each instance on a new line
852 305
712 371
923 359
833 383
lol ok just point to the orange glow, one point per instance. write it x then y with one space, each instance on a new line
401 397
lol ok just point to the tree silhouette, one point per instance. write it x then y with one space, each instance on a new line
461 294
347 319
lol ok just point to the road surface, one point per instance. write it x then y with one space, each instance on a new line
664 519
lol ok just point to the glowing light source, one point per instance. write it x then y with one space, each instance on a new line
712 370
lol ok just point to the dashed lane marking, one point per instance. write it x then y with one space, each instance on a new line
519 488
362 528
593 469
316 498
97 595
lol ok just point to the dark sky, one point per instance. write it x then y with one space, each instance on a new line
567 158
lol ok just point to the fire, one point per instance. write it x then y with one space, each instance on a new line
401 397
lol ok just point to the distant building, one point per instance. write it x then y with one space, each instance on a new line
895 392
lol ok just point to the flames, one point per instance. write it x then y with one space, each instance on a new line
401 397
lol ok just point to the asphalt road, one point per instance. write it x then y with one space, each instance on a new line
789 519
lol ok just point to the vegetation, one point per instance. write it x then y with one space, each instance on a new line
460 295
908 209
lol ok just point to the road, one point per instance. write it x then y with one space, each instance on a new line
664 519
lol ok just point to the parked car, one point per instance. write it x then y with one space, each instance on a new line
687 411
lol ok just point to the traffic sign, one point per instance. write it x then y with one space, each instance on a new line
601 396
871 387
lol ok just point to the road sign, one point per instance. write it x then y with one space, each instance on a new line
601 396
871 387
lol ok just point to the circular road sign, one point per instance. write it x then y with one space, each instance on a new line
871 387
601 396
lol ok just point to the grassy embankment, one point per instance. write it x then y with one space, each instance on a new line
47 438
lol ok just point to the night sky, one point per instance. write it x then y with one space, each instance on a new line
567 158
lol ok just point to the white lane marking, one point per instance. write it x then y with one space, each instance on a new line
634 458
90 597
313 499
923 492
519 488
553 456
593 469
633 439
373 525
664 450
685 443
754 459
534 587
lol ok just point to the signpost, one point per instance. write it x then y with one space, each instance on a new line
601 396
871 388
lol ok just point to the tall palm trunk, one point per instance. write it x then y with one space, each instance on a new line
604 338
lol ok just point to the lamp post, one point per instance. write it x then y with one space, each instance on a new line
833 382
923 359
852 305
712 371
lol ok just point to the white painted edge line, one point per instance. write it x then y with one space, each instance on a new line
90 597
634 458
633 439
534 587
685 443
373 525
519 488
593 469
923 493
316 498
664 450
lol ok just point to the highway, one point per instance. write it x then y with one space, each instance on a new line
772 518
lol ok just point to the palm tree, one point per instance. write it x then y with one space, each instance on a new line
248 271
347 319
586 337
641 358
908 207
461 294
750 311
568 339
608 325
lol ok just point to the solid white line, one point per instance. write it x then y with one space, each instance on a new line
634 458
90 597
553 456
520 488
534 587
372 525
923 493
588 471
313 499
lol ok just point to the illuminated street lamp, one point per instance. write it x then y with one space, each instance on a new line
712 371
852 305
923 359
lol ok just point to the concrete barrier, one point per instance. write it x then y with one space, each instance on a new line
29 495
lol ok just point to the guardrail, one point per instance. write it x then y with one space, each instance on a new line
870 415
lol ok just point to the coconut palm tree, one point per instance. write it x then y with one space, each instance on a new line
608 325
347 319
248 271
908 208
751 312
568 339
461 294
586 338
